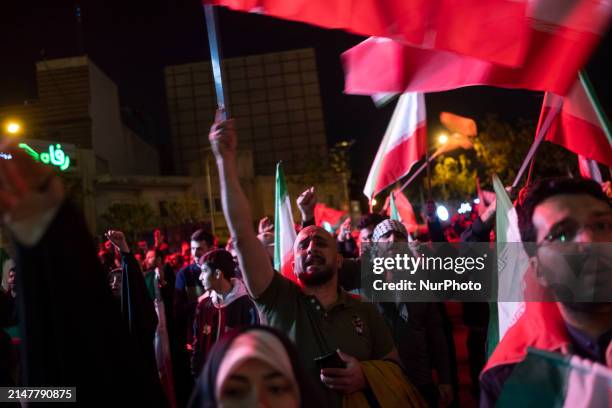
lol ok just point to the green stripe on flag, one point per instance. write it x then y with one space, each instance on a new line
540 379
601 115
394 213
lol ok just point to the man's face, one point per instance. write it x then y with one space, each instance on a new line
365 237
316 258
150 260
561 221
208 277
198 248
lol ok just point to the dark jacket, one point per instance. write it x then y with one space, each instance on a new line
419 335
72 330
213 318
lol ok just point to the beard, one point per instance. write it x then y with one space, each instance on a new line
314 271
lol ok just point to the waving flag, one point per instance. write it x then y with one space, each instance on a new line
577 126
513 264
324 214
562 36
553 380
284 230
457 26
454 142
404 143
399 208
458 124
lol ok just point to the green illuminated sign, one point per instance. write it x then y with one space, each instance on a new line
55 156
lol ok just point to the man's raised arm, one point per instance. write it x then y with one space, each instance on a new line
252 256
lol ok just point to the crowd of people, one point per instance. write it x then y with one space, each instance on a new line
205 325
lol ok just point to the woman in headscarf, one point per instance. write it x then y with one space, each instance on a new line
253 366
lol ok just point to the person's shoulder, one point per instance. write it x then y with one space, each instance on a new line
491 383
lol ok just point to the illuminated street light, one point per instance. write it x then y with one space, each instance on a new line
442 138
442 213
12 127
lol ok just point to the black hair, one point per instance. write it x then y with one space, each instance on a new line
222 260
370 220
203 235
544 189
204 392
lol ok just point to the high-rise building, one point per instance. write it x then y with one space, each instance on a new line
274 99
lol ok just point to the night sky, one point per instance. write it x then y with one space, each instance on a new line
132 41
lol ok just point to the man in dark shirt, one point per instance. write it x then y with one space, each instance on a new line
552 214
317 315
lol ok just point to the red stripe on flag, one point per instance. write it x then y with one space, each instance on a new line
579 136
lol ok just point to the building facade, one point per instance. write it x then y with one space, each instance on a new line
273 98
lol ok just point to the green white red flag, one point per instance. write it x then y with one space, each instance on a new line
399 208
403 145
554 380
513 261
577 125
284 229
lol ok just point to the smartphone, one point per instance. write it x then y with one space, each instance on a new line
331 360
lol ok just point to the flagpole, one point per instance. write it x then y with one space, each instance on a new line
536 143
416 173
428 174
215 58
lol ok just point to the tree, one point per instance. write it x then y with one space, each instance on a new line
453 177
133 219
499 148
186 210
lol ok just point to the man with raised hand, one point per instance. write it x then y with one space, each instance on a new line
317 315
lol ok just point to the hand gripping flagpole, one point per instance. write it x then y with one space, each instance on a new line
215 58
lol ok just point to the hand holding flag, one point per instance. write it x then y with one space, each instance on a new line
222 137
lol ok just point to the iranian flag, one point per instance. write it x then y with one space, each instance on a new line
403 145
327 217
399 208
457 26
284 230
562 36
554 380
579 125
512 266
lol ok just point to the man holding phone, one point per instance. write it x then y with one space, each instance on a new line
323 320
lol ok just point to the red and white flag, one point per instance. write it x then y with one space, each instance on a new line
404 144
457 26
576 125
562 36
